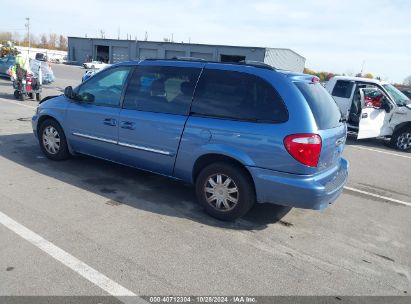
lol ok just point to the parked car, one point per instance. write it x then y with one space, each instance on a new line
5 64
94 65
391 120
240 133
89 73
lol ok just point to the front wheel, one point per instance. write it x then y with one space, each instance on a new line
53 141
225 191
401 140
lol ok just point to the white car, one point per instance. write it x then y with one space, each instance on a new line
94 65
90 73
392 119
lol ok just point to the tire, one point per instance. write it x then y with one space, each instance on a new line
22 96
30 95
401 140
240 202
53 149
16 94
93 67
38 96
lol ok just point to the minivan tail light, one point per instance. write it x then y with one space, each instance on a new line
305 148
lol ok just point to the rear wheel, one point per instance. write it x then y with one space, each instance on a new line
30 95
53 141
22 96
38 96
401 140
225 191
16 94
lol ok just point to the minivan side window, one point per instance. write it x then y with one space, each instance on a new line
238 96
161 89
343 89
105 88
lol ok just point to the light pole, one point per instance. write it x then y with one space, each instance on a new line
28 32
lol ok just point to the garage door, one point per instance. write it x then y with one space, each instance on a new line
120 54
147 53
172 54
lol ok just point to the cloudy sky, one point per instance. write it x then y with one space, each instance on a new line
337 36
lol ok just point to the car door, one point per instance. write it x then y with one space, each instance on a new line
155 110
373 121
92 119
343 92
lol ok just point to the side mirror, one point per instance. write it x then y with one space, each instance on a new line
68 92
386 105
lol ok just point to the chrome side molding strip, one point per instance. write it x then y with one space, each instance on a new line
144 148
110 141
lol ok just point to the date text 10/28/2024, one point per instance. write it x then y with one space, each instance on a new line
202 299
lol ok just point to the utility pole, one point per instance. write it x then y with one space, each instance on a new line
28 31
362 67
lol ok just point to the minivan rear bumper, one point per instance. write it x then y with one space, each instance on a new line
301 191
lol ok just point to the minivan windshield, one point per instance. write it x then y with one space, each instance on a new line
399 98
323 106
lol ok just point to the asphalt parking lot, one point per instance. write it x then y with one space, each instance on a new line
89 227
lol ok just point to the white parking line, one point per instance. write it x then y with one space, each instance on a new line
67 259
378 196
19 104
380 151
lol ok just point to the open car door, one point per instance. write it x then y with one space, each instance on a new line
372 120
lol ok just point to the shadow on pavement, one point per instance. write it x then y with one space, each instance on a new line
124 185
374 143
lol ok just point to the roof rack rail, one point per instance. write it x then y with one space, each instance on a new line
188 58
256 64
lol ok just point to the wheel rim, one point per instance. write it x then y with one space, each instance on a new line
404 141
221 192
51 140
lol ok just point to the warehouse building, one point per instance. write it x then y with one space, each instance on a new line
112 51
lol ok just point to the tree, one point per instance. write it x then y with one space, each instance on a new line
6 36
309 71
43 41
52 40
62 42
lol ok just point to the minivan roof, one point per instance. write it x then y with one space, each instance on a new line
256 64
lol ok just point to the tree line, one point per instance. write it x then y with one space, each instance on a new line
44 41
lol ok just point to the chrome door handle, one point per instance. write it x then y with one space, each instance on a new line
127 125
110 122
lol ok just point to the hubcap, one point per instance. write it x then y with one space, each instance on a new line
221 192
404 141
51 140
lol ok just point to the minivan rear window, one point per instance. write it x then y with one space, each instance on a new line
325 110
238 96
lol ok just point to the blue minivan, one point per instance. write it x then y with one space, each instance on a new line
240 132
